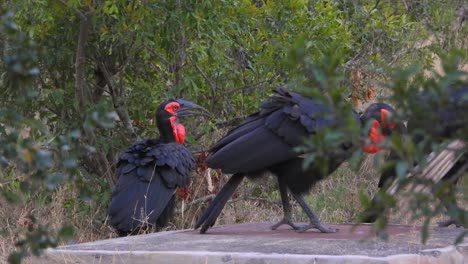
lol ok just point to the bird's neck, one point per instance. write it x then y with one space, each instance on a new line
166 138
175 132
178 130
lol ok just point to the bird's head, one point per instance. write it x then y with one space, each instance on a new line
378 118
168 114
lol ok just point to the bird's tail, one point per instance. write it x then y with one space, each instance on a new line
140 205
210 214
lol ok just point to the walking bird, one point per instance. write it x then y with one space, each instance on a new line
440 119
150 170
266 141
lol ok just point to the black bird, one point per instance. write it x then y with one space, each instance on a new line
150 170
441 119
266 141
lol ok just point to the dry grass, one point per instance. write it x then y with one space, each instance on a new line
53 213
335 200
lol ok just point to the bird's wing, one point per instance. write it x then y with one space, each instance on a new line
148 173
269 136
454 116
449 112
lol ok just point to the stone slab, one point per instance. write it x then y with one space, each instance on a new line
257 243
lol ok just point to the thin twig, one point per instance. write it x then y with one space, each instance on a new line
231 122
196 201
406 5
77 11
210 83
231 201
156 54
245 87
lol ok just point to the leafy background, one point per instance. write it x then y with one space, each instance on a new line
80 80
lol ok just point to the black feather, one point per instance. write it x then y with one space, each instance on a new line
147 179
266 141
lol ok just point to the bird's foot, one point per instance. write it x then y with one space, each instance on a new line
286 221
318 226
449 222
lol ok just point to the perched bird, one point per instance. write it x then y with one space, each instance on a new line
266 142
150 170
440 119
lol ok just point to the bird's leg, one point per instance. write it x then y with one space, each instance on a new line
314 221
211 213
287 219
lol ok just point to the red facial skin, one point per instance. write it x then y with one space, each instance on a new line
375 134
178 130
172 107
384 117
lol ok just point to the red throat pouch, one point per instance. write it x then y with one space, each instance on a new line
178 130
384 117
375 137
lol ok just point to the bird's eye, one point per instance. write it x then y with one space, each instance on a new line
175 108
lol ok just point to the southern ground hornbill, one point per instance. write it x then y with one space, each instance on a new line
150 170
266 141
439 118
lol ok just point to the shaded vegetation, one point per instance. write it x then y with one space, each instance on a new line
80 80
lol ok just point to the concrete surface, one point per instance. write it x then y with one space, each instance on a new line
255 243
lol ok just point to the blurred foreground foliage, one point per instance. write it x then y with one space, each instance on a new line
435 104
80 79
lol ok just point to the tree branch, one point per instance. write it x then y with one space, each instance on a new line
180 56
118 102
159 56
77 11
406 5
210 83
98 160
80 63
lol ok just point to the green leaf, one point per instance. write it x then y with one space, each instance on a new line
425 231
53 180
12 197
309 158
66 232
401 169
15 258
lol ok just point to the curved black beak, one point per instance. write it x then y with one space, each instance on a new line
188 108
